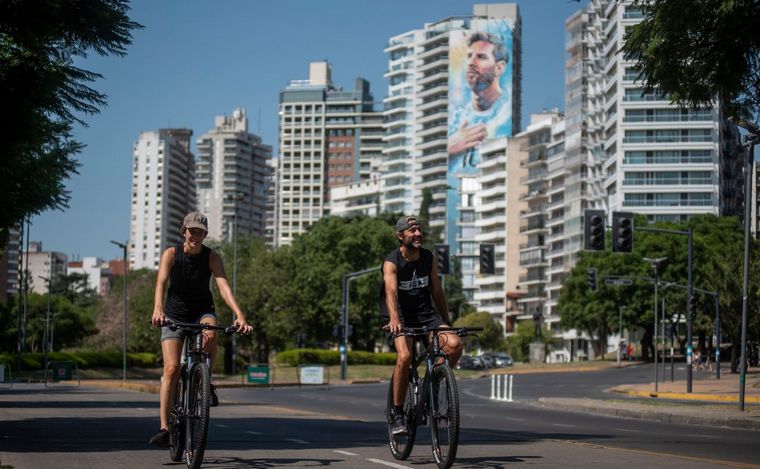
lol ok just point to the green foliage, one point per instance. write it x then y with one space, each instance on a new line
36 360
297 357
492 336
39 44
700 50
717 266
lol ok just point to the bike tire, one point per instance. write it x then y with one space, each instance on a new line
176 421
401 446
444 416
198 415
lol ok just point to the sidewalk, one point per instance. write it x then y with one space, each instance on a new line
712 402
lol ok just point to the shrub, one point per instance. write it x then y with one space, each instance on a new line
297 357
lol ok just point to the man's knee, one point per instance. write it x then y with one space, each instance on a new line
403 358
171 371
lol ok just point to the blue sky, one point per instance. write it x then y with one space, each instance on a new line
198 59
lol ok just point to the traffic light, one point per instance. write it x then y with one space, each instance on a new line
594 230
442 256
622 231
487 264
591 279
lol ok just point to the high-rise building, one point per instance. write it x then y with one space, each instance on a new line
10 272
163 192
44 267
271 203
328 137
231 176
430 99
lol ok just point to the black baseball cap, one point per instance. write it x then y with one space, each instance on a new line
404 223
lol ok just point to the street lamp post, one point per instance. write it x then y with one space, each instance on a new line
655 264
124 332
750 141
236 197
620 339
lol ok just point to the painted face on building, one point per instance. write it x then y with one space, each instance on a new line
482 66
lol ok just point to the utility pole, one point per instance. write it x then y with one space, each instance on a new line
655 265
123 246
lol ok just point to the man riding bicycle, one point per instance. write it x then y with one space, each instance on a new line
187 268
410 278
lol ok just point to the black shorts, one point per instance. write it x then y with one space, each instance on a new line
430 321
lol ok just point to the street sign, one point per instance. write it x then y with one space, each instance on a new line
618 281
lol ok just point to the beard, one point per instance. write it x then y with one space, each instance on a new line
481 81
409 244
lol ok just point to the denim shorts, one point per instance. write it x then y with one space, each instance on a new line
179 334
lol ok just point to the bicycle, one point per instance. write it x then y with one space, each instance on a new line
435 397
189 414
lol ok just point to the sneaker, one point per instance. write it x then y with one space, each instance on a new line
160 439
399 426
214 397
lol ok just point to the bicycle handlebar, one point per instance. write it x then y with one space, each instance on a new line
421 331
174 325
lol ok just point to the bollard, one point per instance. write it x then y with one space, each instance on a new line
501 387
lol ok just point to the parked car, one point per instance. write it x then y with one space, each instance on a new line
501 359
468 362
488 361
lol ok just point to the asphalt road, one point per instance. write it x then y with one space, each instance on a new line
343 427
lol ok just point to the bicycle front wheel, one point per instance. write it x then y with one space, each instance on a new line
444 416
401 446
176 420
197 415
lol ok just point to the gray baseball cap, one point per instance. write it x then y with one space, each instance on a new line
195 220
406 222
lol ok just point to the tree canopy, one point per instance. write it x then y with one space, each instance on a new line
700 50
44 93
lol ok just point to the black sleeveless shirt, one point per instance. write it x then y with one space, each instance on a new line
189 295
414 293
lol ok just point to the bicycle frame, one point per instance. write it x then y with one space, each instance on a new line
430 356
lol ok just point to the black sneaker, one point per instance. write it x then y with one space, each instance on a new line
399 426
160 439
214 397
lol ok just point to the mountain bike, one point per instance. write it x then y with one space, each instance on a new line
189 414
433 399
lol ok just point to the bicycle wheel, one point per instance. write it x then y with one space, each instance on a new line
176 421
197 415
401 446
444 416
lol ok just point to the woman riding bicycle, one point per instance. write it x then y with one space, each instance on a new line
188 267
410 278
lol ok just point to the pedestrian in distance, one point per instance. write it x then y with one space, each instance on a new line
410 287
187 268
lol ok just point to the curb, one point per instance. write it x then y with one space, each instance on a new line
686 396
650 414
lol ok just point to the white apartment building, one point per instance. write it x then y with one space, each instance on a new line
271 202
356 198
417 117
97 271
163 192
231 177
328 137
43 267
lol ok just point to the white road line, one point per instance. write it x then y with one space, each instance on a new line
386 463
346 453
295 440
563 425
702 436
253 432
220 425
627 430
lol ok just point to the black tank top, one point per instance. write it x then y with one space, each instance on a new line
189 295
413 278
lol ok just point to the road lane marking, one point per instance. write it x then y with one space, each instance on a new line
698 435
253 432
296 440
345 453
563 425
220 425
386 463
627 430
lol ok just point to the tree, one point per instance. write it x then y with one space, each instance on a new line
39 42
490 338
699 50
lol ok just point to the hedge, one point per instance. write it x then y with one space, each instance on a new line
297 357
33 361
